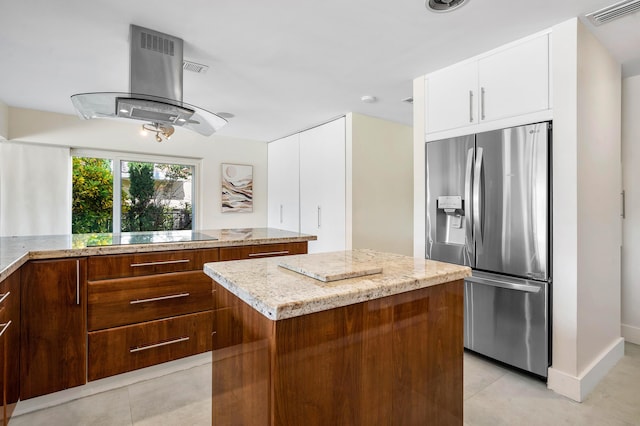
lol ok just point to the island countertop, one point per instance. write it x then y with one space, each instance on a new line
15 251
279 292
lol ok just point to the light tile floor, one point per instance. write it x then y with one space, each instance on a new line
493 395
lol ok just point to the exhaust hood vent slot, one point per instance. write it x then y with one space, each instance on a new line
156 43
613 12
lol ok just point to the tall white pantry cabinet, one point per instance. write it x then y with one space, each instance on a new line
307 185
349 182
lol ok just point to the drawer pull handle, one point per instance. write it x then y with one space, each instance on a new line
162 262
155 299
77 282
157 345
269 253
4 296
4 327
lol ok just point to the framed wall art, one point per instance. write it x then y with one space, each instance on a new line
237 188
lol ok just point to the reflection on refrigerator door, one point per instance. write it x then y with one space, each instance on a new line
448 174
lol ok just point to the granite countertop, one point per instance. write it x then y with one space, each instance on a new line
15 251
327 280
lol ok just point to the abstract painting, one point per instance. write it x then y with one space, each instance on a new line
237 188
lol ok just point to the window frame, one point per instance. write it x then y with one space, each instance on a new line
117 158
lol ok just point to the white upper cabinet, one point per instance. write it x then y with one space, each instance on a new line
323 185
508 82
515 81
452 97
284 184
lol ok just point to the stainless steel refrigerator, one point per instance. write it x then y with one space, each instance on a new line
488 207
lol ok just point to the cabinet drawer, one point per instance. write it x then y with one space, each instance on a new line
6 299
263 250
123 349
125 301
138 264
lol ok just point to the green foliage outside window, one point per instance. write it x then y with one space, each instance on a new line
147 204
92 207
147 209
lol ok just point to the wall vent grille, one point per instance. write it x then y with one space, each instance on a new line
194 67
613 12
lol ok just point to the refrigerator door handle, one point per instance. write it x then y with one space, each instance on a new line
505 284
468 196
477 197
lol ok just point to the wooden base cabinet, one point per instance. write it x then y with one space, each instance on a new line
53 327
394 360
9 345
121 349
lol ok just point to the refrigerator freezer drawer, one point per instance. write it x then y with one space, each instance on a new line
507 320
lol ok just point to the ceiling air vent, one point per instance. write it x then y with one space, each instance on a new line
194 67
443 5
614 12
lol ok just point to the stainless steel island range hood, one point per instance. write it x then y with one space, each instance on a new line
155 92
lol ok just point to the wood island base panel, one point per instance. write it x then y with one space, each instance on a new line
390 361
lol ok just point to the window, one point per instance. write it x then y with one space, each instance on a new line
127 193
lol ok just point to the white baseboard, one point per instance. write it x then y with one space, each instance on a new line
631 334
577 388
110 383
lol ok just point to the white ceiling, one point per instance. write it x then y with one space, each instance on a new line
279 65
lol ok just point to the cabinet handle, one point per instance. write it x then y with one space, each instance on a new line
162 262
4 326
268 253
623 214
482 103
319 210
470 106
155 299
77 282
157 345
4 296
280 213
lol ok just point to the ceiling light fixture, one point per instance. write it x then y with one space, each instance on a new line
440 6
368 99
161 130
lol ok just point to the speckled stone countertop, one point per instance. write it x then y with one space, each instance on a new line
15 251
279 293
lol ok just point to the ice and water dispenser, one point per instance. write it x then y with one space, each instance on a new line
450 219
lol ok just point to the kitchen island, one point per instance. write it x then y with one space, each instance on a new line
343 338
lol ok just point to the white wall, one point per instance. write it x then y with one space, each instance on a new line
586 339
35 189
419 184
68 131
4 121
631 223
382 184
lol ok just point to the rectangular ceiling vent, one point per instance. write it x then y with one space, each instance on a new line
614 12
156 43
194 67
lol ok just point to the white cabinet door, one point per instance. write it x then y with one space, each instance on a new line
452 97
284 184
515 81
322 186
